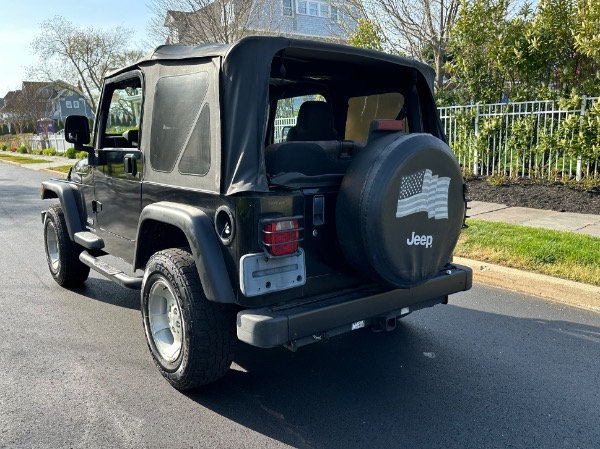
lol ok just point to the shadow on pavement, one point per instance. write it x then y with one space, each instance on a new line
421 386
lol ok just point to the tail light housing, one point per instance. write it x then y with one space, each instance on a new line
281 236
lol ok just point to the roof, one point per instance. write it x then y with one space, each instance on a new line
246 71
272 45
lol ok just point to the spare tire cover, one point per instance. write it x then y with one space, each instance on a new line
400 209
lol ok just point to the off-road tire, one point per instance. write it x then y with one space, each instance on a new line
62 253
207 332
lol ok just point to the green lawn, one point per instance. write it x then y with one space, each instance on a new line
62 168
22 159
561 254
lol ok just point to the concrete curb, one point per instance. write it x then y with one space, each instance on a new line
55 174
547 287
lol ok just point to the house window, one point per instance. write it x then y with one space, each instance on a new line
76 104
287 8
308 8
68 104
323 9
334 14
301 7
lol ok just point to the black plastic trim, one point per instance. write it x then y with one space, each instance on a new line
203 241
269 327
89 240
65 193
112 273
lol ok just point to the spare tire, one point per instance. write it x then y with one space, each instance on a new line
400 209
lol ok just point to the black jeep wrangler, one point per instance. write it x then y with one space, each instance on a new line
348 222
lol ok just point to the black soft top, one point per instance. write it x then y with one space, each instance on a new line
246 68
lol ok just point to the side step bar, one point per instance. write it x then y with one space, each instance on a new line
88 240
112 273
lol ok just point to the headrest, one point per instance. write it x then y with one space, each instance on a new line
132 136
315 114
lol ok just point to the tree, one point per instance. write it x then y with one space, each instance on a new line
586 35
80 56
550 38
413 27
201 21
27 106
367 35
475 46
587 29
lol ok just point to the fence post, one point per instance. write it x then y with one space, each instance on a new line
476 150
578 169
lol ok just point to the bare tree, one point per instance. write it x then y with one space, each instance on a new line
29 104
201 21
80 56
417 28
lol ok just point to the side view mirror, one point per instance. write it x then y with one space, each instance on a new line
77 131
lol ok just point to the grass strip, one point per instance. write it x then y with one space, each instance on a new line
565 255
62 168
23 159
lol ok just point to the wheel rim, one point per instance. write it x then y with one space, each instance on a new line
165 320
52 246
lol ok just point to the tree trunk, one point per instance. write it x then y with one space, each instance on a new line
439 70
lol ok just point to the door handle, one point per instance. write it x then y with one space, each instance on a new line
130 164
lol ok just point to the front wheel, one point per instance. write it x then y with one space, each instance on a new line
191 339
62 253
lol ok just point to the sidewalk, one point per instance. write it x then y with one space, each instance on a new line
536 218
55 161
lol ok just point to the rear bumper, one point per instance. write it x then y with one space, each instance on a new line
300 323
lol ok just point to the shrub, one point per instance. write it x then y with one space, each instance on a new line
36 152
49 152
22 149
70 153
4 147
82 155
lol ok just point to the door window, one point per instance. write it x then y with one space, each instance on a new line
123 115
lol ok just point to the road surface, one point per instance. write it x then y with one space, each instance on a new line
490 370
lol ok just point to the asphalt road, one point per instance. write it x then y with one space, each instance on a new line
490 370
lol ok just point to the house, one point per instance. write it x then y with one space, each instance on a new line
44 101
67 102
229 20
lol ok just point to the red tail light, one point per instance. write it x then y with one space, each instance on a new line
281 236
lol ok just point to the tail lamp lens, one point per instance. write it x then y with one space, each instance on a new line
281 237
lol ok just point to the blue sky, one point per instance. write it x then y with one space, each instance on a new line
20 23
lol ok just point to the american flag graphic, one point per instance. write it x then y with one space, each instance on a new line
423 192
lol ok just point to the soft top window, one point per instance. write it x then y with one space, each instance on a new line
363 110
180 99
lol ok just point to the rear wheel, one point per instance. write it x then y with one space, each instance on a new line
62 253
191 339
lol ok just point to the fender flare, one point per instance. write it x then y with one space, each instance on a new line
67 196
199 231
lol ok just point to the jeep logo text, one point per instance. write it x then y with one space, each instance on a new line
426 240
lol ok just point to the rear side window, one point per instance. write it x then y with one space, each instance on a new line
363 110
286 114
178 108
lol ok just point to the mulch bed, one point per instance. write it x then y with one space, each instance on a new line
536 194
